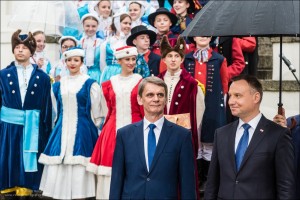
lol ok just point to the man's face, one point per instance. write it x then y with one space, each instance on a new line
22 53
243 100
173 61
142 42
153 99
162 23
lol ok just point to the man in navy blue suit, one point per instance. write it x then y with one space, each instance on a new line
153 158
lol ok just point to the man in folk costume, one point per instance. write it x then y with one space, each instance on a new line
142 38
25 122
185 95
209 68
163 20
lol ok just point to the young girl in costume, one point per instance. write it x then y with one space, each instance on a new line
60 69
76 101
91 45
104 11
121 28
39 55
139 11
119 105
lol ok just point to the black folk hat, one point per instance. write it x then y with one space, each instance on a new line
162 10
139 30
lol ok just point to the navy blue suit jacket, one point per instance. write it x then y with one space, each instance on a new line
266 171
172 167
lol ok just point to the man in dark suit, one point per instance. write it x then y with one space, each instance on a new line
142 170
253 157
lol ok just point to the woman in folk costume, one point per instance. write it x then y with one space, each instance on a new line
185 93
119 105
137 10
185 11
210 69
103 9
147 62
76 100
25 119
121 27
38 57
91 45
60 69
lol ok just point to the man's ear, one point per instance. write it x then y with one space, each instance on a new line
134 42
139 99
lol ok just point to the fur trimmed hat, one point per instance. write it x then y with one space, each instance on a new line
93 15
125 52
73 51
166 47
27 40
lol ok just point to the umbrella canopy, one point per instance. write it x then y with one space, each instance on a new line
52 17
248 18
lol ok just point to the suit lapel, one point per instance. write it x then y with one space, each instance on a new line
256 138
139 136
231 145
163 139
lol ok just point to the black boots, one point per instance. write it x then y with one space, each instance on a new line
203 167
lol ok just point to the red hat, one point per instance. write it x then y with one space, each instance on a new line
126 51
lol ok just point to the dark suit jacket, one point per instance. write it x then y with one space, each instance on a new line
172 166
267 169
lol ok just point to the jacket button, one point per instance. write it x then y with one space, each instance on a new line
236 182
148 179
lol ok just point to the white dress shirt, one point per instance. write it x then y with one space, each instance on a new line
24 74
157 130
240 130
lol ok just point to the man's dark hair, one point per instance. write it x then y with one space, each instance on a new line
252 81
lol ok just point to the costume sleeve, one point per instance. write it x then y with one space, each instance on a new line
248 44
238 62
200 106
95 104
54 107
224 76
103 56
47 109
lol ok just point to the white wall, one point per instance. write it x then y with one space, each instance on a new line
291 51
290 101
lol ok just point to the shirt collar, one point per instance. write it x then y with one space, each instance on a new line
22 67
177 74
253 122
159 123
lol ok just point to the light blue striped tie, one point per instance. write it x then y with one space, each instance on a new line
242 146
151 144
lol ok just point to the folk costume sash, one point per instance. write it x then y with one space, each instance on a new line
30 120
